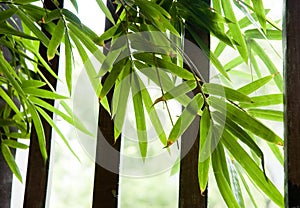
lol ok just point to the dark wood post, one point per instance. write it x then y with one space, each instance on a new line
37 171
291 46
106 181
189 190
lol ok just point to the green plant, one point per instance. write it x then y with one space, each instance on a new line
147 39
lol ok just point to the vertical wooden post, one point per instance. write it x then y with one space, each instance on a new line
291 41
189 190
106 181
37 171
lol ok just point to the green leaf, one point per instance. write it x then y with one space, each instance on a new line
277 152
185 119
253 171
72 119
155 120
165 65
255 85
212 57
270 34
228 93
9 158
39 129
75 5
70 16
4 30
267 114
264 100
56 38
7 13
222 182
235 184
260 13
43 93
14 144
247 121
86 40
233 63
32 83
204 149
10 102
113 76
235 29
90 70
268 62
120 100
106 11
31 25
69 62
54 126
139 115
177 91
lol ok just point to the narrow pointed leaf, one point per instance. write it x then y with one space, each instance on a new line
56 38
185 119
204 149
14 144
32 83
106 11
264 100
228 93
139 116
54 126
9 158
274 115
43 93
69 62
260 13
253 171
223 185
255 85
235 29
247 121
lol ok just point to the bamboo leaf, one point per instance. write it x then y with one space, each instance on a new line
54 126
253 171
204 149
10 102
106 11
9 158
270 34
264 100
237 191
268 114
69 62
32 83
260 13
228 93
7 13
247 121
153 114
268 62
39 129
235 29
223 185
139 116
185 119
165 65
56 38
255 85
31 25
43 93
4 30
75 5
177 91
14 144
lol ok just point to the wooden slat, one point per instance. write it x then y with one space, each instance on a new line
37 171
292 102
106 181
189 191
